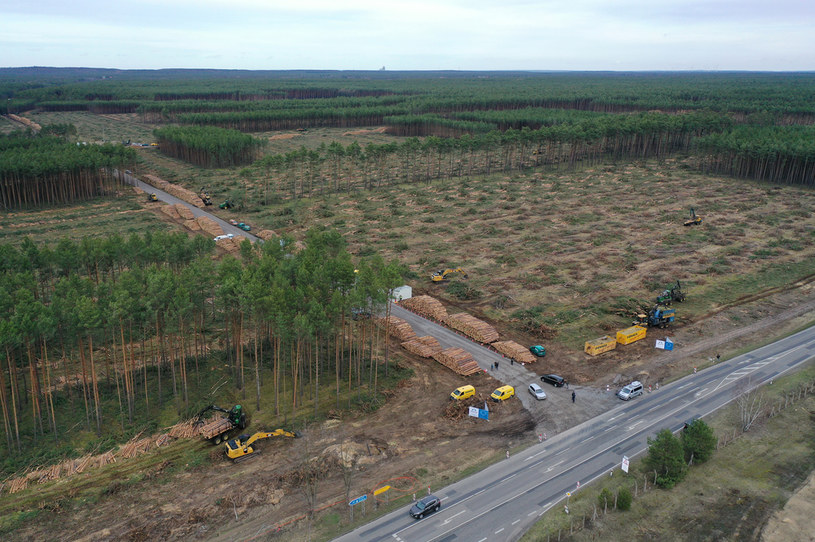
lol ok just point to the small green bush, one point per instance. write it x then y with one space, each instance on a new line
624 499
605 499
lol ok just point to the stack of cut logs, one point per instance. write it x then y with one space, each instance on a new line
398 328
423 346
471 326
426 306
69 467
460 361
511 349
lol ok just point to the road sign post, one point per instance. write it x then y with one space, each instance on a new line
356 501
625 464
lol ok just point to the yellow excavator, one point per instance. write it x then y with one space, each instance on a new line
152 197
240 448
441 274
694 218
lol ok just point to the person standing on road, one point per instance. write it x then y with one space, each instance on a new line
496 365
572 397
512 361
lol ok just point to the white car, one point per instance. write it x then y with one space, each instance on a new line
537 392
227 236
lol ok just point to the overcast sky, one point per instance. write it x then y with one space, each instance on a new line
776 35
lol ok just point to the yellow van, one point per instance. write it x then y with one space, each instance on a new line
503 393
462 393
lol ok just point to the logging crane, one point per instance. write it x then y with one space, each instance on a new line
240 448
217 429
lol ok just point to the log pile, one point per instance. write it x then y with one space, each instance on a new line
266 234
186 429
210 226
398 328
184 211
216 427
513 350
423 346
472 327
135 447
460 361
181 193
69 467
28 122
170 211
426 306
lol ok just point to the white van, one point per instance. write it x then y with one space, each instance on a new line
630 391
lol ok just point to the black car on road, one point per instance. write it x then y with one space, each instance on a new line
555 380
425 506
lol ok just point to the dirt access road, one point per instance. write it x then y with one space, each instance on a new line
419 433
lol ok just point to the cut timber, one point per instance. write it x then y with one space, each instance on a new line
600 345
472 327
209 226
398 328
426 306
184 211
423 346
631 334
185 429
266 234
515 351
170 211
460 361
215 428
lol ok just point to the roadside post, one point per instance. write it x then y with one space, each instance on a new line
355 502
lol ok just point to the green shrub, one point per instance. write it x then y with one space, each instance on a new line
462 291
605 499
624 499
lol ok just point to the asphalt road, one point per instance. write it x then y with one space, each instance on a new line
501 502
196 211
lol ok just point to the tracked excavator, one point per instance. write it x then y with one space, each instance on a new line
240 448
441 275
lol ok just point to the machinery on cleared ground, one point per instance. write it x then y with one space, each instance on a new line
659 316
204 195
441 275
240 448
225 205
216 430
152 197
674 293
694 218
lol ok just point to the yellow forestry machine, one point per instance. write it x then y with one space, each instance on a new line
441 275
240 448
204 195
152 197
694 218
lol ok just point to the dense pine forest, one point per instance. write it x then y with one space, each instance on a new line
114 336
